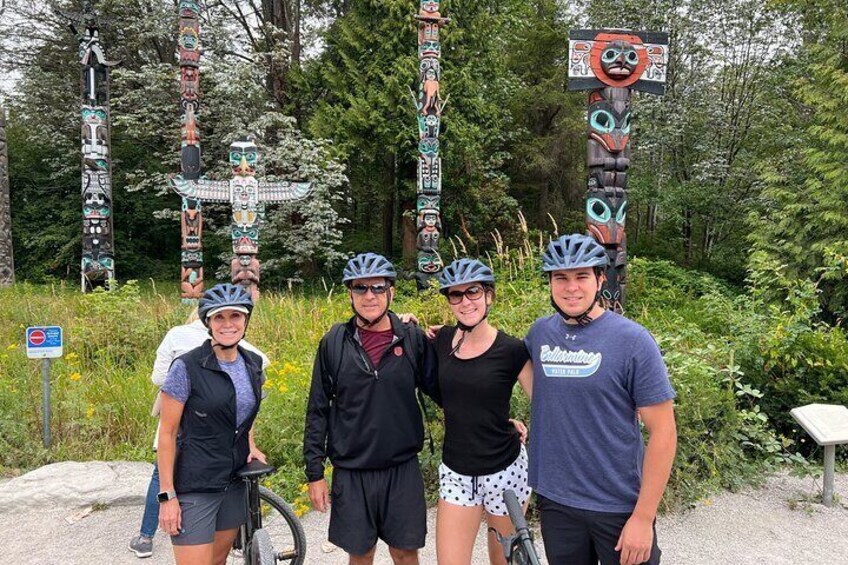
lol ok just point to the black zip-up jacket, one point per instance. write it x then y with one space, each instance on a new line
210 447
367 417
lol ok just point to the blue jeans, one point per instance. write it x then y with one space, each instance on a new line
150 520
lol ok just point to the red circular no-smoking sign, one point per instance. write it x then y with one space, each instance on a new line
37 337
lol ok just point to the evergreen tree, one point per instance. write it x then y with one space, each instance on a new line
804 226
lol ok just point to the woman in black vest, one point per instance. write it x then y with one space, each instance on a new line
209 401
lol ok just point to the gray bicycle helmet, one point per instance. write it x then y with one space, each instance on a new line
368 265
223 297
464 271
573 251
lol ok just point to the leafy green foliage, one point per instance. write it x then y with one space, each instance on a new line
102 391
802 230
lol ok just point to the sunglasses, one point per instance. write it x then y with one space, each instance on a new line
362 289
472 293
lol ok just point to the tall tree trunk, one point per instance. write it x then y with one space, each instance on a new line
389 203
284 15
652 218
7 262
638 224
543 207
409 233
687 236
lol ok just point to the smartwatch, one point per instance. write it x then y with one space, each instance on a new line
166 495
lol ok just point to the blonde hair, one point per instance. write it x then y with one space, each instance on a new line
193 316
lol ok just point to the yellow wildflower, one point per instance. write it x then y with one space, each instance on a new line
12 346
71 356
304 487
75 376
90 412
283 388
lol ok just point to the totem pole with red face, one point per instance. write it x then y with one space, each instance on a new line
611 64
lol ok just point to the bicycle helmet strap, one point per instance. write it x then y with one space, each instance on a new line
582 319
228 347
466 329
364 320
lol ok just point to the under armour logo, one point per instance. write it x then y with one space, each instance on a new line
572 337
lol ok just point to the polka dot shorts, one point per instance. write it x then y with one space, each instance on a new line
486 490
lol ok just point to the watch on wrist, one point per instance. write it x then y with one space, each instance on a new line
166 495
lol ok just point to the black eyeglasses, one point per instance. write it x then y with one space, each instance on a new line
375 288
473 293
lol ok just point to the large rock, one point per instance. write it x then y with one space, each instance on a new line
71 484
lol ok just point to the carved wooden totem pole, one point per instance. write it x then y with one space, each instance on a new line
191 220
429 105
98 258
611 64
7 261
248 197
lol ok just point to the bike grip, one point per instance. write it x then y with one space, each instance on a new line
514 510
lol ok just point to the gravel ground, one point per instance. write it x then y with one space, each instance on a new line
778 524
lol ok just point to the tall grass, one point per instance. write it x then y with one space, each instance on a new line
101 391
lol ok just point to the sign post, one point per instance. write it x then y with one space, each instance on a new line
45 343
828 425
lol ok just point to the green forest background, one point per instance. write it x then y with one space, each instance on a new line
737 224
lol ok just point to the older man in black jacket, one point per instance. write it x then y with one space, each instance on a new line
364 417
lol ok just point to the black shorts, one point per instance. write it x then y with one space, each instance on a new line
583 537
384 503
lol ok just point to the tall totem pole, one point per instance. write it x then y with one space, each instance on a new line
611 64
98 259
429 105
7 261
191 220
248 197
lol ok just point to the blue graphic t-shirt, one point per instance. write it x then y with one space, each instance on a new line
586 446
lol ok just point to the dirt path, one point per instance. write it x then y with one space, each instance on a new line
777 525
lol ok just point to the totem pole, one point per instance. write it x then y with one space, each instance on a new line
7 262
191 275
429 105
611 64
98 263
248 197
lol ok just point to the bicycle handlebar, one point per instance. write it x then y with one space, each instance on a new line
514 510
522 538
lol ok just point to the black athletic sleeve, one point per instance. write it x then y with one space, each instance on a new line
520 356
429 367
317 417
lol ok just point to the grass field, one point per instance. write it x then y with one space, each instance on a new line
102 393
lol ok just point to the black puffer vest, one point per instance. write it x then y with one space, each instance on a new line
210 448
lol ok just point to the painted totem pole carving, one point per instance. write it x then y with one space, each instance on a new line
611 64
429 105
98 259
248 197
7 261
191 219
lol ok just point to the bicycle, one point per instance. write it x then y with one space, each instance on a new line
273 532
518 548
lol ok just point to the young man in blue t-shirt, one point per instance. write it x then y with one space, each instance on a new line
598 485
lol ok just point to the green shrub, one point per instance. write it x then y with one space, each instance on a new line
102 392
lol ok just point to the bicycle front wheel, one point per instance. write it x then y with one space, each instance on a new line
283 528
